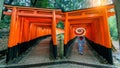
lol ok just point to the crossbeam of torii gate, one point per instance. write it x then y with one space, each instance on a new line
26 22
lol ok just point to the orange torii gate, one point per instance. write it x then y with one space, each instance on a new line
27 24
95 21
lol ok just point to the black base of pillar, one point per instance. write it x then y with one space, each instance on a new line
109 57
67 47
65 50
101 50
9 55
55 51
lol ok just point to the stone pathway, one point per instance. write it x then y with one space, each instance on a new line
38 54
87 57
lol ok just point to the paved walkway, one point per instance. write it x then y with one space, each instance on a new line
87 57
40 54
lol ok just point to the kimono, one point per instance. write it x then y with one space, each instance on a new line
81 44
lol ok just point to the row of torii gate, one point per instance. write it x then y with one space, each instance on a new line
28 24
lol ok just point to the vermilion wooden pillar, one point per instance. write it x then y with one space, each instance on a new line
66 33
107 38
25 30
54 28
12 36
101 30
66 29
54 34
106 29
21 30
12 41
71 32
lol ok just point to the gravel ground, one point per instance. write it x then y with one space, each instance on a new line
3 38
116 55
3 42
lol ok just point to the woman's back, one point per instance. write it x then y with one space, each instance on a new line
81 40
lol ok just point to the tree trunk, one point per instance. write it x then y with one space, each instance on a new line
117 10
33 3
1 7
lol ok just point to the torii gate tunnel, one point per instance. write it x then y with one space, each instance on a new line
29 24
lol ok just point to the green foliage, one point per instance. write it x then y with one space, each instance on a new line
42 4
113 27
65 5
60 25
5 22
68 5
6 19
2 25
19 4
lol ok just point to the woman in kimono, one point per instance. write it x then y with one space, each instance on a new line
81 44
